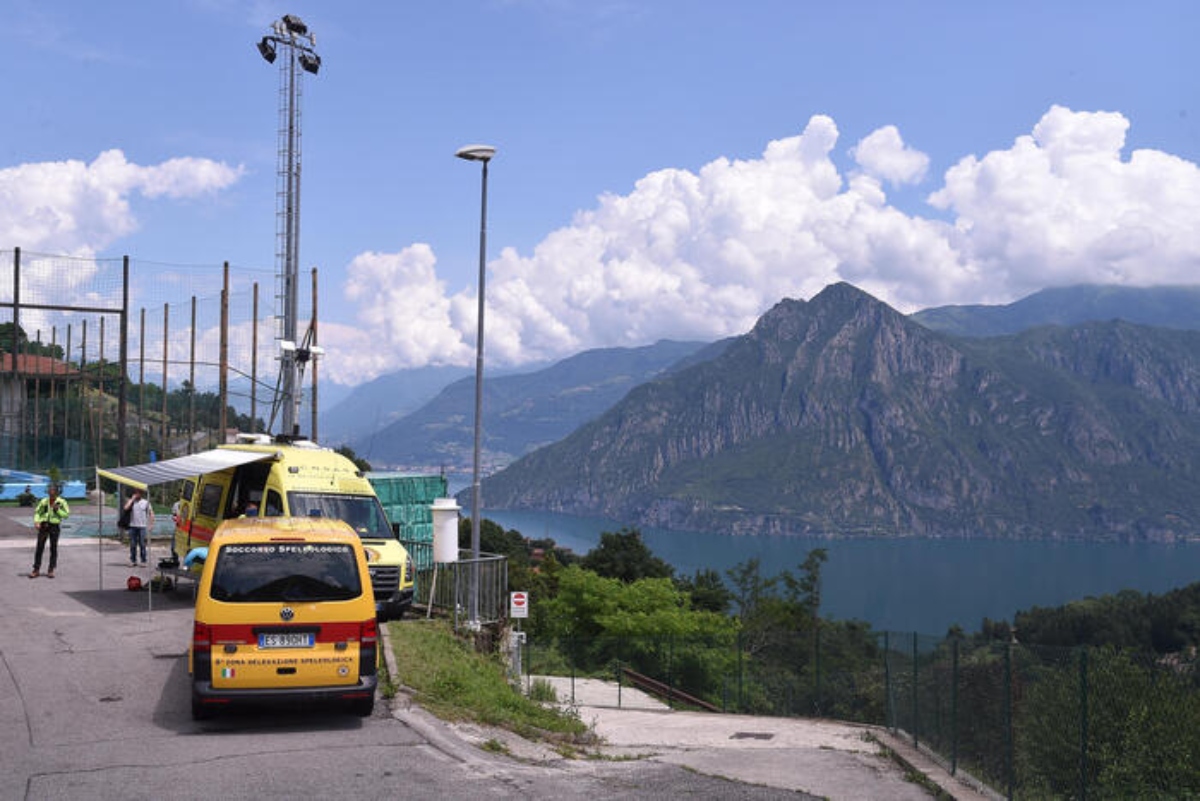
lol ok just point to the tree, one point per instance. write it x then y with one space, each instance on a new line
707 591
6 338
623 556
361 464
23 343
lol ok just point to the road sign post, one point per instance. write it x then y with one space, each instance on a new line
518 605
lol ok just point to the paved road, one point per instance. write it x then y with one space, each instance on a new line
94 705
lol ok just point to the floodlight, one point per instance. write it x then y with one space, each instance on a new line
310 62
295 24
267 49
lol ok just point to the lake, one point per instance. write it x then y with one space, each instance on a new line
906 585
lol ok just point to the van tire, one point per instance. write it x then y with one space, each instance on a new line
363 707
199 710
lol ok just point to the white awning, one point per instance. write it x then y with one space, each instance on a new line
151 473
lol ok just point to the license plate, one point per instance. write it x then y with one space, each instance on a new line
299 639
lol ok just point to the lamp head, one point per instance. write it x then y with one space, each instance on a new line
310 62
295 25
482 153
267 49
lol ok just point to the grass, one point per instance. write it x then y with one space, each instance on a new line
451 680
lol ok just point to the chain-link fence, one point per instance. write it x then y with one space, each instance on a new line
106 361
1027 721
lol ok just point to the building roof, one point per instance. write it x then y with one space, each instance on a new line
30 365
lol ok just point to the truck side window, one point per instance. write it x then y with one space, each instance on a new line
210 501
274 505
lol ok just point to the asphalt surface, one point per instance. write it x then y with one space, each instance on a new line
94 704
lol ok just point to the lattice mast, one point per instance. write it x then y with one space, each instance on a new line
298 45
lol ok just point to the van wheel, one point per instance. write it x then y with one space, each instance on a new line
363 707
199 710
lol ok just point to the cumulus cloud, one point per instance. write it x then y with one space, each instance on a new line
1062 206
701 255
884 155
76 208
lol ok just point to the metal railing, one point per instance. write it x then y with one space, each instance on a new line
447 586
1024 721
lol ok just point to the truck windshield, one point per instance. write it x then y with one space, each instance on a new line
287 572
362 512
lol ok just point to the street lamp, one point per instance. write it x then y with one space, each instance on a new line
482 153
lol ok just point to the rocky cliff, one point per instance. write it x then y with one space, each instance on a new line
840 416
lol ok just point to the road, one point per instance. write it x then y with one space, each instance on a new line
94 704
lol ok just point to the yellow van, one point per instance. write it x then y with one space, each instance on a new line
295 478
284 613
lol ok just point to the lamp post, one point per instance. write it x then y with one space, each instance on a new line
290 33
484 154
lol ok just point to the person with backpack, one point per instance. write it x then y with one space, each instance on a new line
141 522
47 517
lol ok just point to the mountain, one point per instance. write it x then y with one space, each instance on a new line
520 412
841 416
376 404
1161 306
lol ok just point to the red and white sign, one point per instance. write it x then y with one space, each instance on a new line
518 604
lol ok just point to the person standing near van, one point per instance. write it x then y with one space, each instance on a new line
141 521
47 517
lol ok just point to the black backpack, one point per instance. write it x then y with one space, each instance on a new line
123 518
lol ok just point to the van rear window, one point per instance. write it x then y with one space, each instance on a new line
285 571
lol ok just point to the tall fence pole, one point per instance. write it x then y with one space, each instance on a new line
166 353
100 414
889 711
82 391
954 708
916 726
254 370
66 392
313 361
21 452
1083 723
223 358
1008 719
123 359
191 410
142 427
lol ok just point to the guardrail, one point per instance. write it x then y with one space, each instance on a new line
454 588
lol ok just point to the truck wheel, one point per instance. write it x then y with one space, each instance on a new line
199 710
363 707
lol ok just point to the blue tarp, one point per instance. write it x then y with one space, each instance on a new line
14 482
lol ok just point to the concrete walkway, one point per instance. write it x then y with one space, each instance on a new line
813 758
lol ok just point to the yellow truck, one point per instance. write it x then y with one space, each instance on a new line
280 477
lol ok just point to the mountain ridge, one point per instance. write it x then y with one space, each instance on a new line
841 416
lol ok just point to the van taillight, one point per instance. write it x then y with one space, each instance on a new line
201 651
201 636
368 652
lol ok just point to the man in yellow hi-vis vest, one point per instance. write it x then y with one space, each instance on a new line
47 515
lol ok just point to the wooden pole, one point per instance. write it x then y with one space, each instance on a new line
166 347
224 367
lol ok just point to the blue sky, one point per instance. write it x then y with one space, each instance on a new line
664 169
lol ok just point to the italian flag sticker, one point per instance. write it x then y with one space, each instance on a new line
227 673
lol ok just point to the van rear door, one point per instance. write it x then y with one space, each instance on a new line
290 616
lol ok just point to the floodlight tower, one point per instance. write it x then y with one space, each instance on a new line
298 44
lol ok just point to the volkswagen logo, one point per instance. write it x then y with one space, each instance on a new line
286 613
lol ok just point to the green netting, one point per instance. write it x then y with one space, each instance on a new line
407 500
